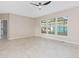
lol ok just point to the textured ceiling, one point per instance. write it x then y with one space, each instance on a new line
26 9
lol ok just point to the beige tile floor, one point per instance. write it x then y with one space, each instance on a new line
37 47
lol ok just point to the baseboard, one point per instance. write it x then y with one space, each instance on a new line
73 43
19 37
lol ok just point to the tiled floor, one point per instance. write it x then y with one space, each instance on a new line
37 47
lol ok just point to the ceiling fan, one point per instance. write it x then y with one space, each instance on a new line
39 5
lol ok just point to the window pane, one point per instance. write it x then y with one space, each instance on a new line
43 26
51 26
62 26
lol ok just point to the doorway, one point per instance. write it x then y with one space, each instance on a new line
3 29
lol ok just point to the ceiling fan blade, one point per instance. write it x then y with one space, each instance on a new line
47 3
34 4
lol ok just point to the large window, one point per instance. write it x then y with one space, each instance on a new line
55 26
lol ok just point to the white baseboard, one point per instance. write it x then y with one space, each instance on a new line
74 43
19 37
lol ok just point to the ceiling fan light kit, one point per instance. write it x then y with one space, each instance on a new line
39 7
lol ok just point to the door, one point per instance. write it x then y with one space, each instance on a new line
3 29
0 29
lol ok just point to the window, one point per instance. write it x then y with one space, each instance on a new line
55 26
62 26
43 26
51 26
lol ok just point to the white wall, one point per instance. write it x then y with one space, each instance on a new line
73 23
20 27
